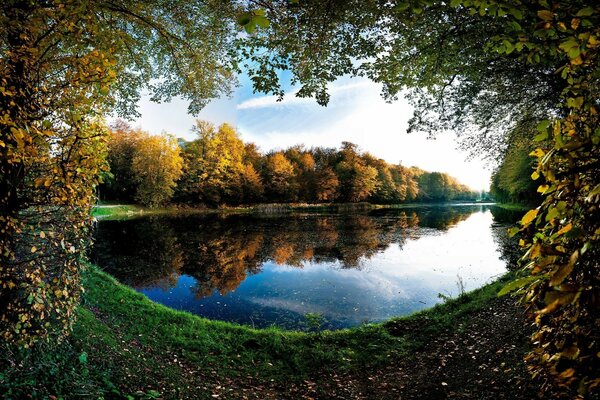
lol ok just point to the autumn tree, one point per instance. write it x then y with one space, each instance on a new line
122 143
156 166
213 164
279 178
357 179
62 65
252 185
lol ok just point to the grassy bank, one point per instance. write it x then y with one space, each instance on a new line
123 344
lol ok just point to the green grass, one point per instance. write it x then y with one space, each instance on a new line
107 211
514 206
129 346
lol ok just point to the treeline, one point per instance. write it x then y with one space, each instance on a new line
219 168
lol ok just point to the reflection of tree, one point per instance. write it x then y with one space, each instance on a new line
223 263
140 253
219 251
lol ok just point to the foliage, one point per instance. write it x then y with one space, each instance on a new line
156 166
220 168
143 167
62 65
213 165
511 181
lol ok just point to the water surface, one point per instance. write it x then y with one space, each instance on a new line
273 269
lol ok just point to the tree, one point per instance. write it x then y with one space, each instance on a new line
357 179
62 65
252 185
156 166
213 164
511 181
122 144
279 178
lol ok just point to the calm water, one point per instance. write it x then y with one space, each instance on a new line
264 270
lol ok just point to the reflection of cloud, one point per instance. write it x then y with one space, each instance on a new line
292 99
316 275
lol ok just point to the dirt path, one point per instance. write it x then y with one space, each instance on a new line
483 359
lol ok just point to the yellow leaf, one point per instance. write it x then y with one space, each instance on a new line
542 188
567 373
530 216
577 61
42 234
564 229
33 249
546 15
537 153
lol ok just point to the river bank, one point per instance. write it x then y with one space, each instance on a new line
119 211
125 345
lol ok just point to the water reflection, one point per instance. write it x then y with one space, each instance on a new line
262 270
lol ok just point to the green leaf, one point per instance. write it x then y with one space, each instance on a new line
516 284
546 15
540 137
455 3
585 12
543 125
263 22
515 12
244 19
83 358
250 28
402 6
552 214
509 46
574 52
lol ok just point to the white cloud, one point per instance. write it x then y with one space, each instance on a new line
291 99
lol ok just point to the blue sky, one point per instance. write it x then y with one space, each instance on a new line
356 113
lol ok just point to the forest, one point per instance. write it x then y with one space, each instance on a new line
219 168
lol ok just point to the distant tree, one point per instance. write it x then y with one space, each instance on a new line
326 184
252 186
280 184
156 166
213 165
122 144
304 171
357 179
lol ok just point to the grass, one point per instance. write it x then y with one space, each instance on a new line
123 345
515 206
103 211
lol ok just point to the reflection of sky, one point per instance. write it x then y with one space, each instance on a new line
396 281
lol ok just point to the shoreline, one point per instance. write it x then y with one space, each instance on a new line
118 211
